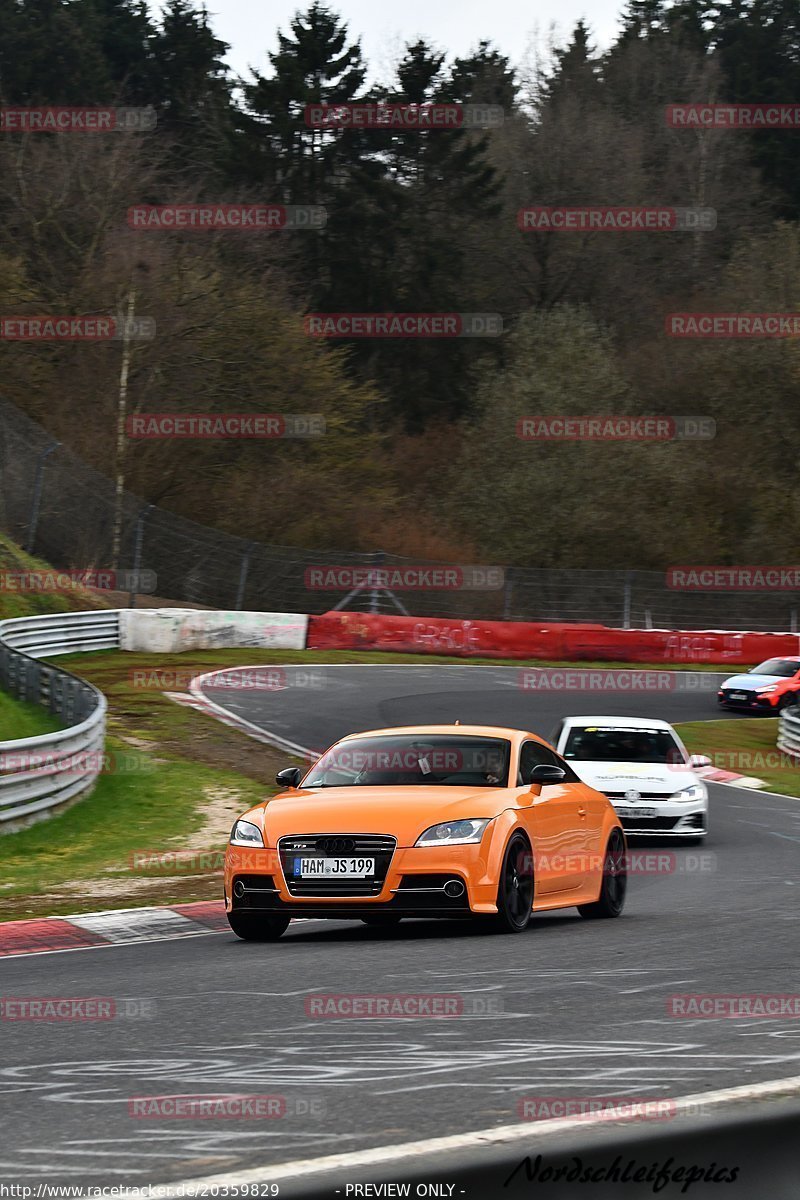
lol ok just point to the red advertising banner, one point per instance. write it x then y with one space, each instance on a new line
556 642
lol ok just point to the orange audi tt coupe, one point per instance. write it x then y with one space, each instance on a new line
426 821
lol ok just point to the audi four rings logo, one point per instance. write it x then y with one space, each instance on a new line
335 845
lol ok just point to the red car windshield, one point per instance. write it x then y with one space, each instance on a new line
777 666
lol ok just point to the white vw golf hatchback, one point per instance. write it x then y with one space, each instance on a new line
644 769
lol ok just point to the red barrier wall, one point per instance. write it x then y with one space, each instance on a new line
529 639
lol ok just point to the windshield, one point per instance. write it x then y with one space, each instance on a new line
608 744
401 761
777 666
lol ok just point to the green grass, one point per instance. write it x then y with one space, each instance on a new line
29 603
747 747
212 660
152 806
19 720
185 777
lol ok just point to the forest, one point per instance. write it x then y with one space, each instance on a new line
421 454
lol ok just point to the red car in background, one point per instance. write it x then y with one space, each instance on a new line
769 687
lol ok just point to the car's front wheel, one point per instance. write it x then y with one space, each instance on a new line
615 881
251 928
515 891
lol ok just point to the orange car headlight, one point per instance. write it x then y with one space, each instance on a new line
454 833
245 833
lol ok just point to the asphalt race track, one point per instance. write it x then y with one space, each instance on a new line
570 1008
317 706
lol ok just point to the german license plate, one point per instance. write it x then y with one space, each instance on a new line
638 812
340 868
738 695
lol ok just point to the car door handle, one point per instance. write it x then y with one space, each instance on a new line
581 812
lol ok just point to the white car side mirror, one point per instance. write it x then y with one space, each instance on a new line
699 760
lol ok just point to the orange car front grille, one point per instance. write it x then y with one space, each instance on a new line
381 847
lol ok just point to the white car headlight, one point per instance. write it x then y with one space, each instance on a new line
770 688
454 833
697 791
244 833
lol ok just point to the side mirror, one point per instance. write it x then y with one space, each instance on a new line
700 760
289 777
544 773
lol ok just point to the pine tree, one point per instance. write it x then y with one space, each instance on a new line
191 87
483 77
758 45
50 53
643 18
575 72
445 190
315 64
124 33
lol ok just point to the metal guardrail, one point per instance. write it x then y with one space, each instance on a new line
56 767
789 730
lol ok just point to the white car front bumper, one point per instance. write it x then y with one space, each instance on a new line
672 819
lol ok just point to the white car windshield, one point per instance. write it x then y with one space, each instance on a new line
402 760
610 744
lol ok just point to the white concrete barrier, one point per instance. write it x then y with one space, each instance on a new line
173 630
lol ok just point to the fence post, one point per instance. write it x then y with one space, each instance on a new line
243 569
37 495
507 594
626 613
378 559
137 554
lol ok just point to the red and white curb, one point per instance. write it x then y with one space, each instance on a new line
121 926
717 775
